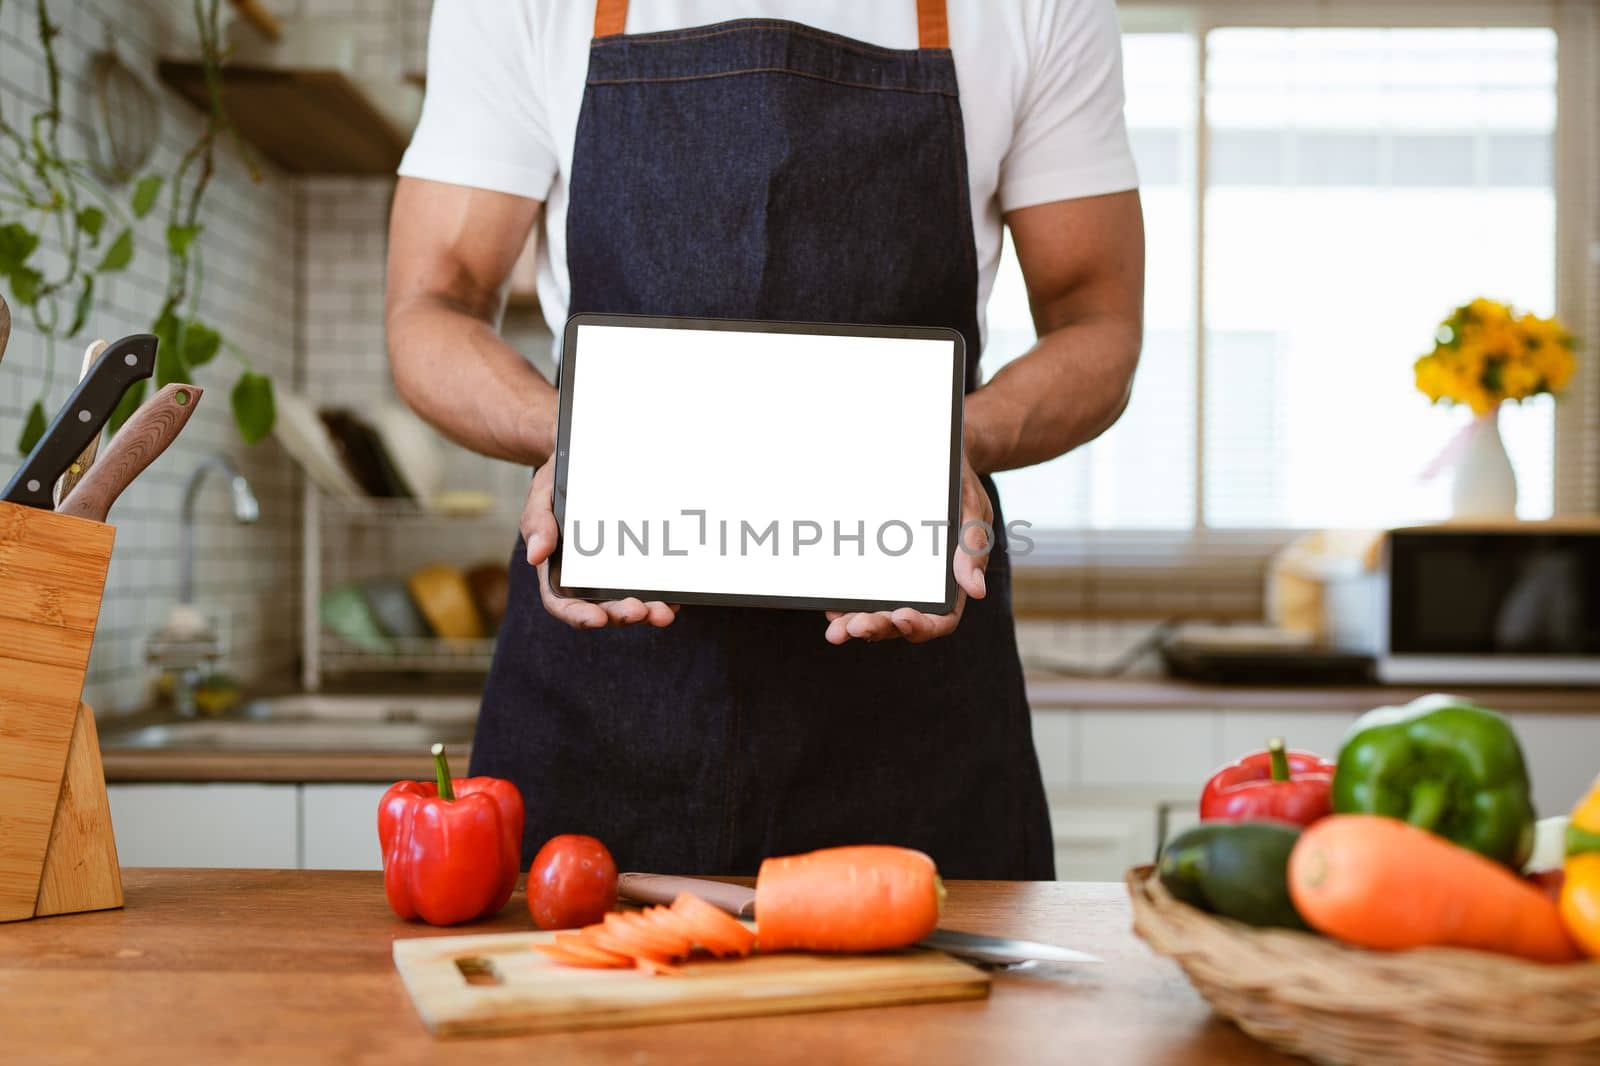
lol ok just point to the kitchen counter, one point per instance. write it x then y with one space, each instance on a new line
125 765
271 965
1047 694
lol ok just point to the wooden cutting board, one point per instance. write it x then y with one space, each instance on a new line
496 984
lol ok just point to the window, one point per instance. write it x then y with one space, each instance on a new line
1350 186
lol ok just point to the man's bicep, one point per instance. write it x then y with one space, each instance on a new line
1082 258
456 242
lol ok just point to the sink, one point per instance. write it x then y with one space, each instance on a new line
315 723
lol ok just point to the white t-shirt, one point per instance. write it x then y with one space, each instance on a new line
1040 83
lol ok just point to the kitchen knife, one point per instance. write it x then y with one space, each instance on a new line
85 459
740 901
142 438
129 360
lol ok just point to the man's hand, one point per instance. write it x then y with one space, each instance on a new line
540 531
971 559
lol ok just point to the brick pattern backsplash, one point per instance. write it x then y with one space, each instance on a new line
245 576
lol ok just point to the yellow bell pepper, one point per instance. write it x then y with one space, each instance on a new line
1580 892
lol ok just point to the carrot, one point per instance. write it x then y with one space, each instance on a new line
719 933
862 898
1380 883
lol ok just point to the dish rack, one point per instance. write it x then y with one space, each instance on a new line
351 540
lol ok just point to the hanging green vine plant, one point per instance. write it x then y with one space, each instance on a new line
48 195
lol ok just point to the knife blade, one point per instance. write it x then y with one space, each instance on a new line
156 424
129 360
740 901
85 459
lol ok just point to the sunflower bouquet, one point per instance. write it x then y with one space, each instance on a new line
1487 352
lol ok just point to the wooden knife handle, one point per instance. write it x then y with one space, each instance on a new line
80 466
738 900
156 424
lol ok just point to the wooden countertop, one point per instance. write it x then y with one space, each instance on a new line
132 765
281 966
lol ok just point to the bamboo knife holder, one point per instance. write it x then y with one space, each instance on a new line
57 851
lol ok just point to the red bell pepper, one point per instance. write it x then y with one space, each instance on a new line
1285 786
452 848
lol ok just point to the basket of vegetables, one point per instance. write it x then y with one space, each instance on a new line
1378 908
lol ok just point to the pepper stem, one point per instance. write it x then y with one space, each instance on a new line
441 772
1280 759
1427 803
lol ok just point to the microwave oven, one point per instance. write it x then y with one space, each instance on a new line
1514 603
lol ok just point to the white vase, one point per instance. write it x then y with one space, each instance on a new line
1485 485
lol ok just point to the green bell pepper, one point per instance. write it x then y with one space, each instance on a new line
1445 765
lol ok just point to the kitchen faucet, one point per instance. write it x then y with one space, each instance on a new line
188 642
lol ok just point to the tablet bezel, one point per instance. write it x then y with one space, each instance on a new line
568 371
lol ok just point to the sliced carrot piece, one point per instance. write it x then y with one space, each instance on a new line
578 943
633 928
620 944
567 957
658 969
717 932
670 926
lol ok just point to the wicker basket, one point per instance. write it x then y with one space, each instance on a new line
1339 1004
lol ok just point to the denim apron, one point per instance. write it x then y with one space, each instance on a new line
764 169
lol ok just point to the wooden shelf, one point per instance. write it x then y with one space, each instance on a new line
306 121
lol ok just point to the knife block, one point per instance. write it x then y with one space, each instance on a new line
57 851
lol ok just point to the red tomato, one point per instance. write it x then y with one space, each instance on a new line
572 883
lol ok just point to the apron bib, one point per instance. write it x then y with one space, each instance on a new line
764 169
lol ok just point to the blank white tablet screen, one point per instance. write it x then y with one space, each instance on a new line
758 464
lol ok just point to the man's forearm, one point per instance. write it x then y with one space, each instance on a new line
1065 391
458 374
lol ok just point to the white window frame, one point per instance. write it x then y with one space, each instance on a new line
1219 553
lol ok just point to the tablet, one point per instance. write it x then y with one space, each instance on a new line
759 464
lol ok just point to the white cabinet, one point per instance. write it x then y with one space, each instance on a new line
339 827
206 825
313 826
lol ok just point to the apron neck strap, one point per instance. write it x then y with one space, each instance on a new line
933 22
609 17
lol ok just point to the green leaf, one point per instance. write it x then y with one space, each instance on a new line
91 220
166 329
180 237
119 255
25 282
17 242
170 366
200 343
145 193
124 410
32 428
253 408
80 310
